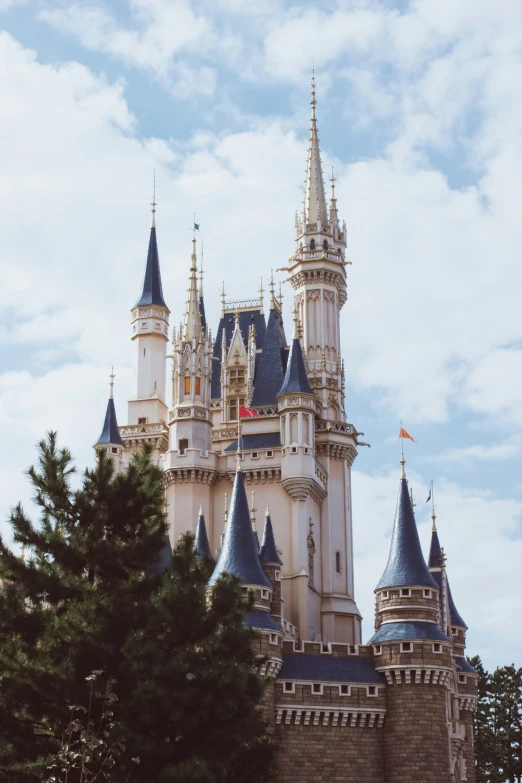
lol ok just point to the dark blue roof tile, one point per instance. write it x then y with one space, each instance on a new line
329 669
296 377
434 559
164 560
463 667
110 432
270 375
201 544
259 619
268 552
152 291
239 554
226 324
263 440
391 632
455 616
202 313
406 564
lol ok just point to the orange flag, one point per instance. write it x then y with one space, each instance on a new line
404 434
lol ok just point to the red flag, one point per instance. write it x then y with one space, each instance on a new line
245 413
404 434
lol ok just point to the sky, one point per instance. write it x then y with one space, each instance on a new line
420 113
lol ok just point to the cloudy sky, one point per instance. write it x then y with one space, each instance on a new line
420 112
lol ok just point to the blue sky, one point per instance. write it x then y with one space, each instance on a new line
420 112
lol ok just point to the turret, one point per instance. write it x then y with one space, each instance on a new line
415 655
201 544
150 325
110 440
271 563
190 422
270 373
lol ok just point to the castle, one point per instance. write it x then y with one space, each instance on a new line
251 414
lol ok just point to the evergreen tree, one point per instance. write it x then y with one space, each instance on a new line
194 714
486 756
506 697
88 598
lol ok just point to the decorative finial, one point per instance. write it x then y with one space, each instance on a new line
236 317
153 202
253 510
443 558
200 510
267 514
223 296
403 474
296 324
201 272
280 295
413 504
272 286
433 517
225 510
111 384
313 101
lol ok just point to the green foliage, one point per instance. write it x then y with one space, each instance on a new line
498 724
87 599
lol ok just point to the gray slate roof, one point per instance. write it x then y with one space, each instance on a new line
406 631
268 552
406 564
239 554
464 667
152 291
329 669
110 432
226 324
259 619
263 440
270 372
455 616
201 544
296 377
164 560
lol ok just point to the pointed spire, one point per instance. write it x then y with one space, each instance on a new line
110 433
239 554
152 292
436 564
269 374
202 315
406 564
315 202
268 552
153 203
192 321
296 377
253 510
333 200
201 544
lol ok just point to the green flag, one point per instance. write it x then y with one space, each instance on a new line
196 226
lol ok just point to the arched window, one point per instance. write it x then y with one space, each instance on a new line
325 245
312 244
198 385
187 385
338 562
183 445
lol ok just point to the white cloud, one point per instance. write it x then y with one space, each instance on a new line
470 455
5 5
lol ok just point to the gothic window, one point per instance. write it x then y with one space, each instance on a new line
183 445
233 407
325 245
312 244
338 562
237 376
187 385
198 385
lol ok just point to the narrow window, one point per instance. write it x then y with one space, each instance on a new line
437 648
325 245
187 385
144 351
338 562
372 690
273 638
198 385
183 445
462 679
427 594
312 244
377 649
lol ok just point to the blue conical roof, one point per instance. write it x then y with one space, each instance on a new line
152 291
269 374
406 564
163 562
268 552
201 544
296 377
239 554
110 432
435 562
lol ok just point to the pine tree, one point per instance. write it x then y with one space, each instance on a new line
194 717
506 696
67 610
485 742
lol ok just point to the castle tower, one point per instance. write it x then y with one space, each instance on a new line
110 440
271 563
416 657
463 689
147 410
190 464
318 276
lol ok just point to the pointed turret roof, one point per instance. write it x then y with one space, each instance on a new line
315 202
192 320
406 564
239 554
269 374
296 377
110 432
201 544
268 552
435 566
152 291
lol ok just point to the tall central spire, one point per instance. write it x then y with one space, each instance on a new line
192 322
315 202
